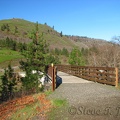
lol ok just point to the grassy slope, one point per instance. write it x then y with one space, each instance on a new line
7 55
50 35
32 107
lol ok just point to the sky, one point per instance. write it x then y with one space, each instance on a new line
91 18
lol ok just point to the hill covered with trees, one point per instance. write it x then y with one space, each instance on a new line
17 33
21 30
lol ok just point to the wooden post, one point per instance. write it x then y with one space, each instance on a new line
116 72
53 77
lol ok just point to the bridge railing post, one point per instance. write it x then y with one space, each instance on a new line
54 75
116 72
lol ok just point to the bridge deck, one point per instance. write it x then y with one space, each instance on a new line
66 78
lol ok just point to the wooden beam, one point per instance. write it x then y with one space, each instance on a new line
116 84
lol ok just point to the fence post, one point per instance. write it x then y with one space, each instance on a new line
116 72
53 77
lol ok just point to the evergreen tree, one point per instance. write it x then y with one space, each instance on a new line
61 34
7 27
4 92
57 51
84 51
36 59
16 30
20 47
65 52
53 27
45 23
76 58
3 27
14 46
8 83
7 42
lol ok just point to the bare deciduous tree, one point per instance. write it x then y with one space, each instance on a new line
107 55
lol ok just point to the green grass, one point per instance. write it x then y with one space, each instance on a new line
59 111
47 93
7 55
25 113
29 111
59 102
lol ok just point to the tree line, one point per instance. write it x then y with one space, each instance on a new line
12 44
36 57
105 55
6 27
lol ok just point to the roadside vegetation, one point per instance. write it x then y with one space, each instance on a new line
24 45
36 57
16 33
23 97
36 106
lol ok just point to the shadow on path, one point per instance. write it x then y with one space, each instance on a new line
58 81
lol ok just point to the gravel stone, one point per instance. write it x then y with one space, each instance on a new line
90 96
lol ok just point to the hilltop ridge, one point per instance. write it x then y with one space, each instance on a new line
54 38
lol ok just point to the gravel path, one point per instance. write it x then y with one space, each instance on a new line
87 100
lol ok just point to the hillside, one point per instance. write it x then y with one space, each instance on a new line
20 30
